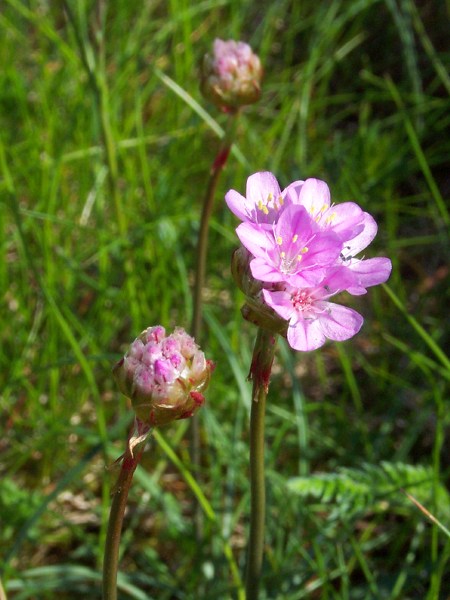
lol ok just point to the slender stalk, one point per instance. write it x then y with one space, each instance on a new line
260 370
130 462
200 271
208 204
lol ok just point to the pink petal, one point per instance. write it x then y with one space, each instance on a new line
280 302
294 220
292 192
263 270
254 238
311 277
260 188
260 185
239 205
363 239
305 335
324 249
336 280
346 220
339 322
368 272
314 194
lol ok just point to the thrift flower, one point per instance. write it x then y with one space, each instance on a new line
296 250
164 376
303 250
355 228
231 75
263 201
347 220
312 318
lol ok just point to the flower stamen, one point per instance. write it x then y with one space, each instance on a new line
301 300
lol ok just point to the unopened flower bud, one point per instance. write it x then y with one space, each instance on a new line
164 376
231 75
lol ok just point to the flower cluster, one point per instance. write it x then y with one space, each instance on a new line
164 376
302 250
231 75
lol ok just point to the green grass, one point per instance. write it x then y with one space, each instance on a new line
105 149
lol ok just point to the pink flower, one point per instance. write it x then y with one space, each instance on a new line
296 246
312 318
263 202
295 250
303 249
347 220
354 227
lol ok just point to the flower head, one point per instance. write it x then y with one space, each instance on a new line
303 250
263 200
312 318
164 376
296 250
231 75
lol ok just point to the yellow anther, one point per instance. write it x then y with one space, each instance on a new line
324 208
299 258
281 201
283 254
260 205
279 240
294 238
304 250
269 197
265 210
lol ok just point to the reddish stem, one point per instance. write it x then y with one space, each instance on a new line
130 462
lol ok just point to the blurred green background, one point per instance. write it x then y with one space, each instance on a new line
105 150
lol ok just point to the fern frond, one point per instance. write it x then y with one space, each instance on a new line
352 491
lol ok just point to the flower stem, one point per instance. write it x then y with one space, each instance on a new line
208 204
130 461
260 370
202 249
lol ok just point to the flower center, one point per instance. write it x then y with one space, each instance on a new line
290 255
318 214
301 300
270 203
